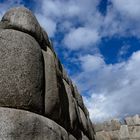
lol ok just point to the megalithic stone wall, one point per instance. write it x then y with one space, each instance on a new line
115 130
38 101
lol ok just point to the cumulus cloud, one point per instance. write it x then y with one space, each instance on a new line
122 19
113 90
81 38
82 23
127 8
73 19
96 61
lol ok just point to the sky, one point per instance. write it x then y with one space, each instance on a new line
98 42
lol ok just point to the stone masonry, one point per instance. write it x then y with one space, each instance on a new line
115 130
38 101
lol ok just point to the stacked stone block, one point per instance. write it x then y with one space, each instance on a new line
38 100
115 130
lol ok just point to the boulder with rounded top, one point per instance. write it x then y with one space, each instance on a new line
22 19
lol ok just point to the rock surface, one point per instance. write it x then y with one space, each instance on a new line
23 20
33 79
114 130
52 100
23 125
21 71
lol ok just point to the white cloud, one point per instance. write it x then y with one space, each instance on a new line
78 19
91 62
127 8
113 90
81 38
67 9
122 19
73 18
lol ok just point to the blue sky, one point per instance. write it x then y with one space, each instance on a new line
98 41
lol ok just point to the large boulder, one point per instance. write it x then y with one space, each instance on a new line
22 19
21 71
23 125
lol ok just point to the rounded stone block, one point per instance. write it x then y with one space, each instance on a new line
22 19
21 71
23 125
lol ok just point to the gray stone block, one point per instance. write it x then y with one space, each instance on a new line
52 100
111 125
124 132
79 100
84 137
71 137
65 76
23 125
134 132
84 121
22 19
21 71
72 108
90 131
115 135
102 135
132 121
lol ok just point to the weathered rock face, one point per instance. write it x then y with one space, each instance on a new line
33 79
21 71
23 20
114 130
23 125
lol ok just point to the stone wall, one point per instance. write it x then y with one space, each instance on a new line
115 130
38 101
